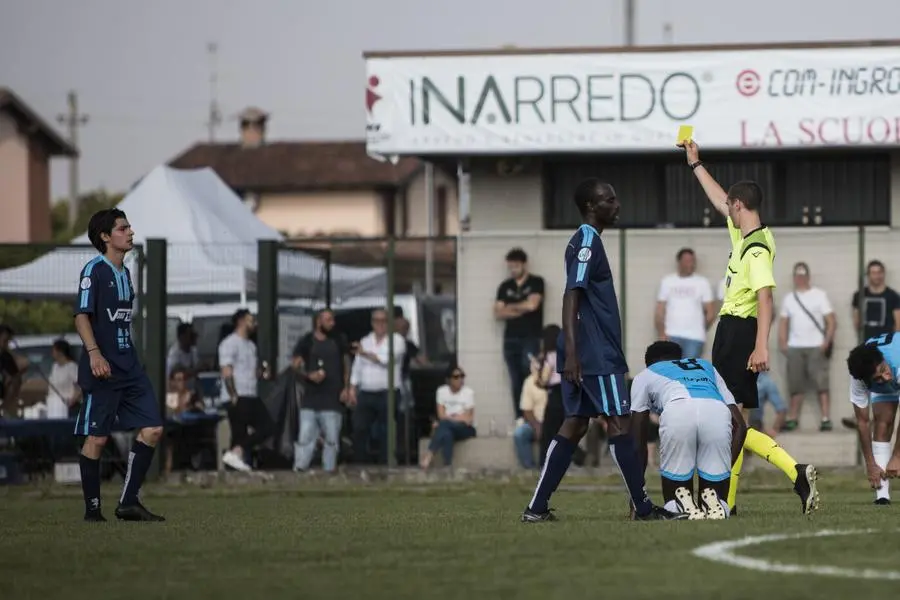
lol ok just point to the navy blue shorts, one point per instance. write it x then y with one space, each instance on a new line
597 395
126 405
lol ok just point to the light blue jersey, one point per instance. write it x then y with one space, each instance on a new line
671 380
889 345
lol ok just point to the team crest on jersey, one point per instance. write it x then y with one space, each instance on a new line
85 283
584 255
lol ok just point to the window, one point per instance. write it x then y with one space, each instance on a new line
660 190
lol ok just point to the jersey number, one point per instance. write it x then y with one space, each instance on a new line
688 364
884 339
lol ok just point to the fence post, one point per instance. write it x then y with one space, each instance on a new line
861 307
392 384
623 283
155 328
328 297
267 302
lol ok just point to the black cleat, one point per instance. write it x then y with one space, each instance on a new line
136 512
658 513
805 487
882 502
529 516
94 516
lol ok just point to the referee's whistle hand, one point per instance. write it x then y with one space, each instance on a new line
759 360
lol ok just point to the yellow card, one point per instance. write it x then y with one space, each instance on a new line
685 134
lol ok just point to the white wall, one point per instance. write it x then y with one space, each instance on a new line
506 212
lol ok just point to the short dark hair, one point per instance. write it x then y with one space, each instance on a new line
103 221
662 350
7 330
182 329
874 263
747 192
238 316
64 348
453 368
684 251
863 361
516 255
587 191
549 337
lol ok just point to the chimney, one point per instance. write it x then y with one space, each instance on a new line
253 127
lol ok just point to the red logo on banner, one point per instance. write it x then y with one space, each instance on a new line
371 96
747 82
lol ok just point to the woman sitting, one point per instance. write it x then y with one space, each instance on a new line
455 417
179 400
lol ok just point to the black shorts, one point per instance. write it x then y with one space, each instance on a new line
732 347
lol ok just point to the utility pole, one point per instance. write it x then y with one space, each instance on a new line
73 121
215 115
629 22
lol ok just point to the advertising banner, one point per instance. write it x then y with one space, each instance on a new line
636 101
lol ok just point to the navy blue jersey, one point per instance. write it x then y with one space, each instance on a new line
106 295
598 339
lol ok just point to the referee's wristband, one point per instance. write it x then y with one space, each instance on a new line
694 165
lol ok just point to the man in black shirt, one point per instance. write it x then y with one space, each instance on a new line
11 369
520 302
323 357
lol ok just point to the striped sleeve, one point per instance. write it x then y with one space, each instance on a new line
88 286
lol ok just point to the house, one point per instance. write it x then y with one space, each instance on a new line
308 189
27 143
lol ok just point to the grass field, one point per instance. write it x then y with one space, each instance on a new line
310 541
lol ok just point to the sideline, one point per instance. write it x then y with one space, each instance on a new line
723 552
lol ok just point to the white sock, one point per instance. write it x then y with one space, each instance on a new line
672 506
881 451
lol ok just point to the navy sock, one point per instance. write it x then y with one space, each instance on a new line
90 482
624 453
139 460
559 456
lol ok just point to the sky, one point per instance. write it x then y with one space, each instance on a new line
141 69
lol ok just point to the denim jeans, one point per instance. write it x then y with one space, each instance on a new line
524 440
689 348
313 422
515 354
768 392
445 435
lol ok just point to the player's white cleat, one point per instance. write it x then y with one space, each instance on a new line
685 501
712 505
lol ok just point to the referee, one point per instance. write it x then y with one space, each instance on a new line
741 346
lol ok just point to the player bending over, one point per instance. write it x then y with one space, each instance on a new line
590 357
700 429
109 373
874 368
741 346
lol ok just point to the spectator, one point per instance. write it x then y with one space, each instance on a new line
323 358
183 353
806 337
455 417
407 404
684 306
179 400
12 368
63 392
881 306
534 397
768 392
240 375
369 388
520 303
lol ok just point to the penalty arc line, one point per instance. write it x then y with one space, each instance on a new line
723 552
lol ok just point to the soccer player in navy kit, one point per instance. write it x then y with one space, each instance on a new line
116 388
592 361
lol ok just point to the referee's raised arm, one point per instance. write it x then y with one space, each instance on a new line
717 196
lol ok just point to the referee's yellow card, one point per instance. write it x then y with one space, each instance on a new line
685 134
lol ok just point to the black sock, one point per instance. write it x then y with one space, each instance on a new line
559 457
139 460
624 454
90 482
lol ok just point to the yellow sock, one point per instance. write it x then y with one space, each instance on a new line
764 446
735 476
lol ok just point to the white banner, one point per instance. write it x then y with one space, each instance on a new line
633 101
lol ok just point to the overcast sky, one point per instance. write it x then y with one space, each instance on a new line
141 68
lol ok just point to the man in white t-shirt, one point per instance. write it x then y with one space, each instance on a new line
805 336
684 306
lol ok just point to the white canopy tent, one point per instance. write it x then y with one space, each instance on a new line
212 248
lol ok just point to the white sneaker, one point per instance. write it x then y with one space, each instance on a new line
686 501
712 505
234 461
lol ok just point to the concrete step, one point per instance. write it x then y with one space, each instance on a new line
478 453
823 449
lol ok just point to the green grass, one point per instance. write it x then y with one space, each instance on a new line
428 542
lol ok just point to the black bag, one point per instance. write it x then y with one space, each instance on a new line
828 349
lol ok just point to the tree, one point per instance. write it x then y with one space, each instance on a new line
88 204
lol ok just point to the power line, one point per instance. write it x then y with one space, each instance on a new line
73 120
215 114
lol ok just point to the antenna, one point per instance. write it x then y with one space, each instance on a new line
215 115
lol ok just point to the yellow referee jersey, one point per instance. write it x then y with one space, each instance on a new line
749 270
